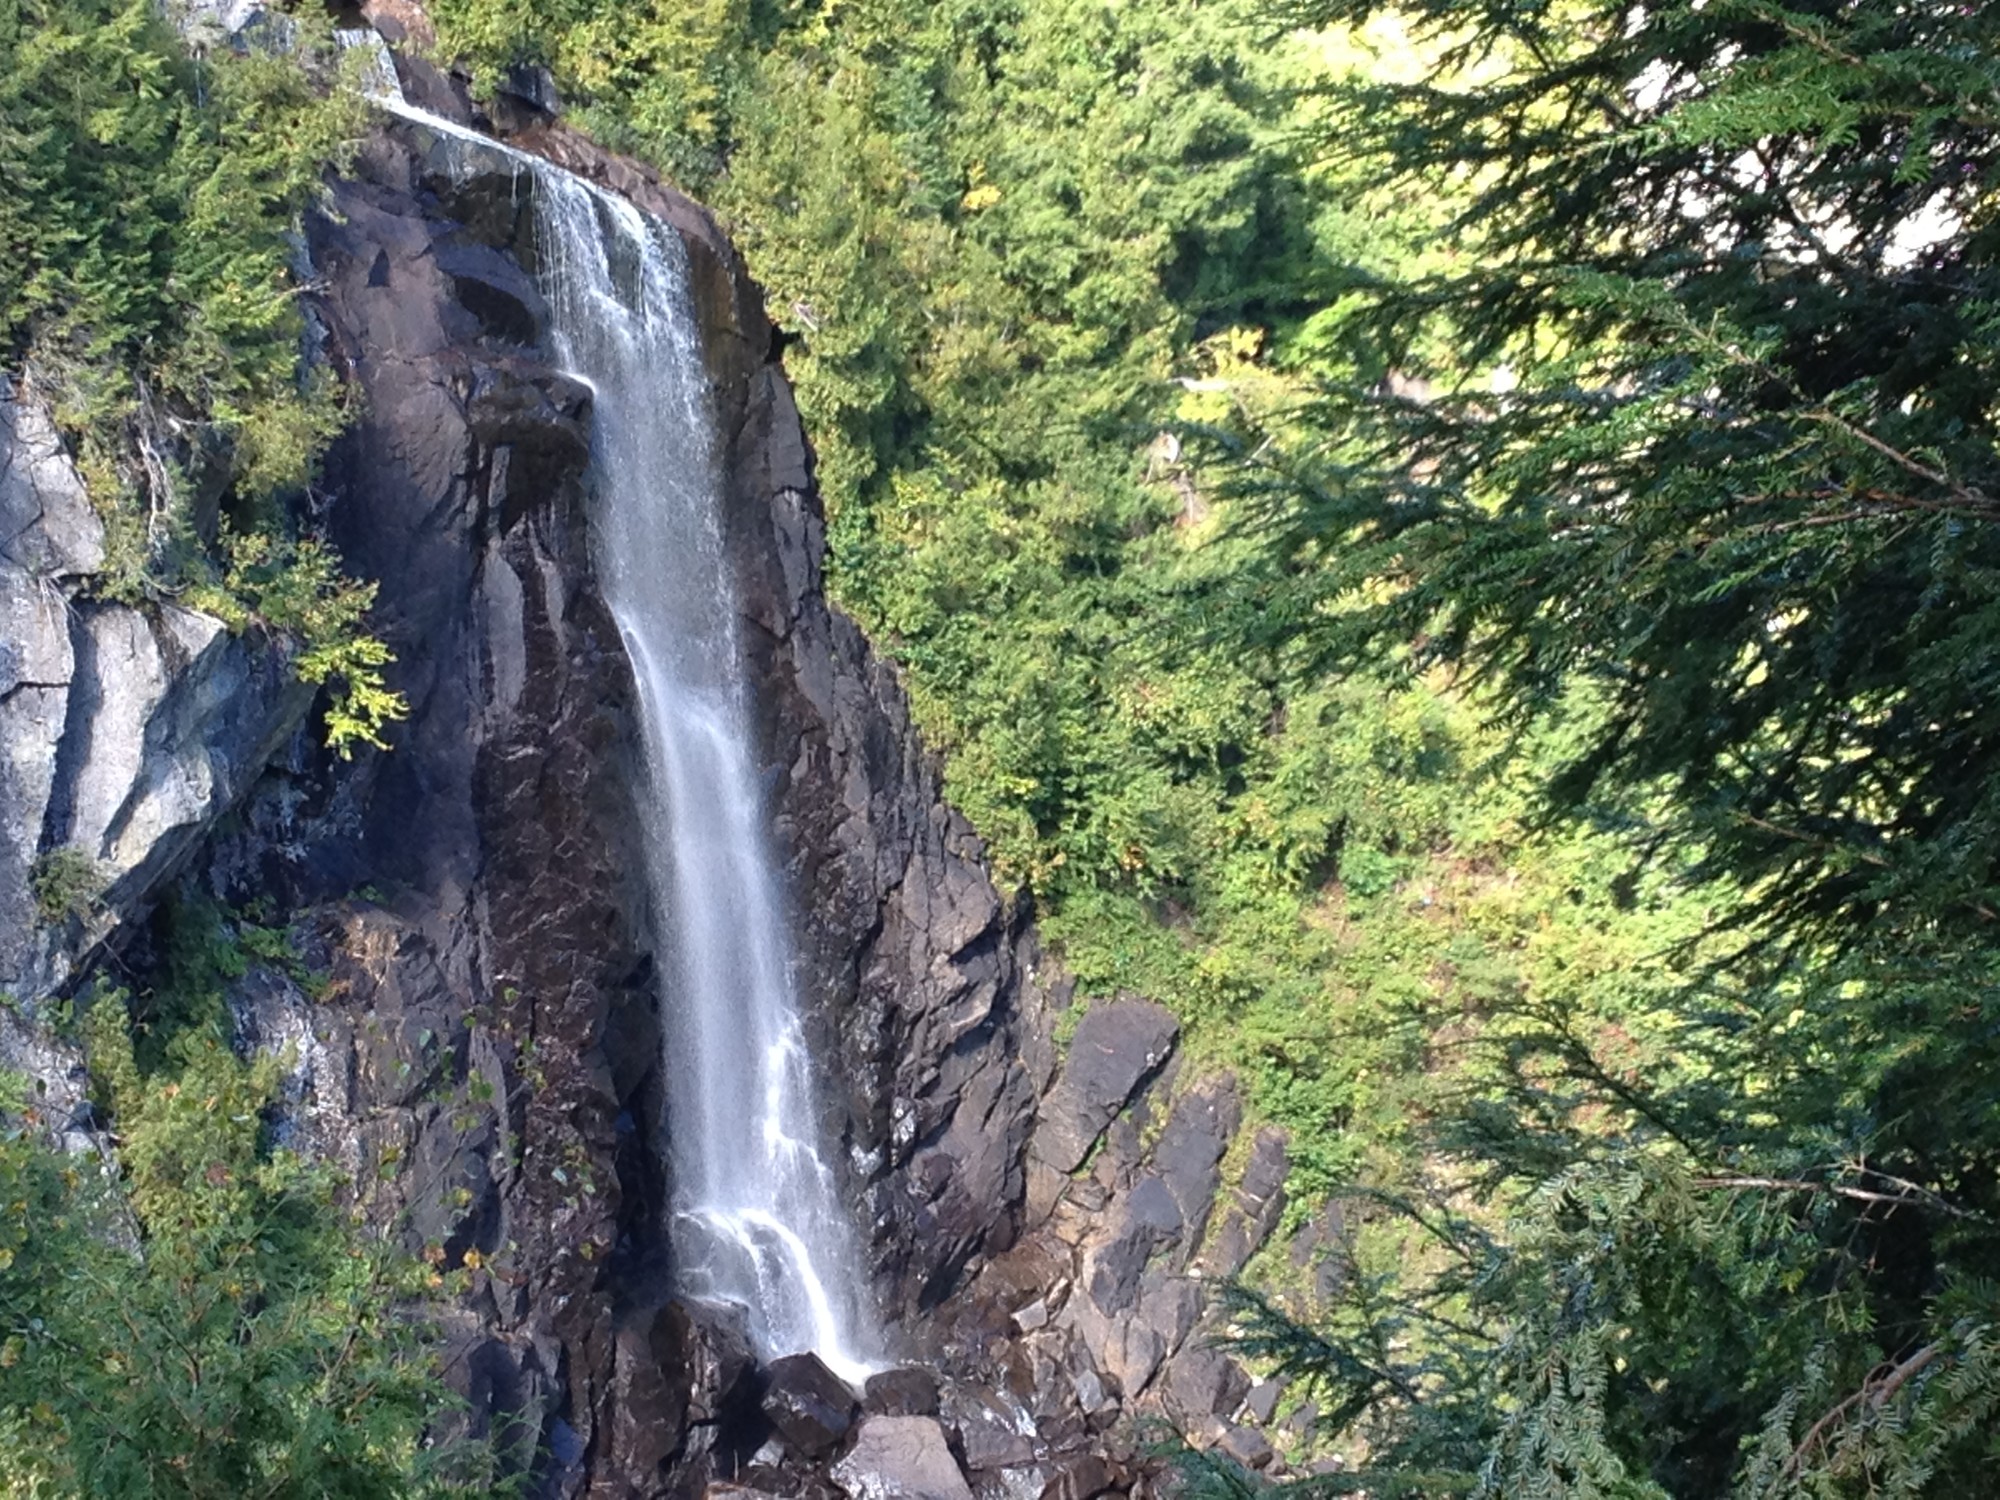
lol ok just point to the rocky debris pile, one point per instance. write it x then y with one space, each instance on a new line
1038 1372
1098 1319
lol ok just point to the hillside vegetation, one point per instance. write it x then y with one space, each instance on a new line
209 1323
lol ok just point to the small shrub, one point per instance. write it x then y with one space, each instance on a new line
66 883
298 590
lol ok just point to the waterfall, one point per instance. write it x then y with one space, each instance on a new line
757 1217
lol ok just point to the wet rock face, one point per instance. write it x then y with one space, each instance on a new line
917 976
918 979
810 1406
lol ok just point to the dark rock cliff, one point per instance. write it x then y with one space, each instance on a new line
499 970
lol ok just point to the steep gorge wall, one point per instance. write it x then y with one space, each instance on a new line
485 1060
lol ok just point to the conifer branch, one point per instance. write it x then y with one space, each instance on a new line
1860 1195
1875 1393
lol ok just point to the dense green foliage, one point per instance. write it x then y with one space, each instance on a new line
204 1321
1740 264
1734 264
188 1312
1542 740
146 292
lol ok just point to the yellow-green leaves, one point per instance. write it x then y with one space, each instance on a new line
297 590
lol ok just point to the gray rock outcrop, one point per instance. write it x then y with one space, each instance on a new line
126 731
50 542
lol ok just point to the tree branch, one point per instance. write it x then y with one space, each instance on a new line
1875 1393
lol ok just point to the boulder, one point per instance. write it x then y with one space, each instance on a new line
1299 1425
713 1362
1125 1349
900 1458
1248 1447
1168 1304
1082 1478
1090 1393
994 1432
651 1416
909 1391
1150 1218
1321 1247
1203 1384
1117 1046
810 1406
1262 1402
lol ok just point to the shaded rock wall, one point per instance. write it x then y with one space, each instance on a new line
491 1041
488 1063
917 976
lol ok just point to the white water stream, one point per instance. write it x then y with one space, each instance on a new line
757 1212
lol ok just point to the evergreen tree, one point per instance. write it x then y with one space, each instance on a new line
1736 266
1714 458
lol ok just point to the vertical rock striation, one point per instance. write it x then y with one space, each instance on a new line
126 731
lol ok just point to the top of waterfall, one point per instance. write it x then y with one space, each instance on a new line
378 68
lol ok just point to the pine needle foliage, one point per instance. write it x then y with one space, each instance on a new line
189 1313
1737 261
1693 422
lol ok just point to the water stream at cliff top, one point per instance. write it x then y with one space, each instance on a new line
757 1213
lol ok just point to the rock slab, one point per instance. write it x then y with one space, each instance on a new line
900 1458
1117 1046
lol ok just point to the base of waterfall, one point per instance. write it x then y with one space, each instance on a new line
726 1248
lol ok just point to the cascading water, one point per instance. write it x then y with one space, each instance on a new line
757 1214
759 1218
